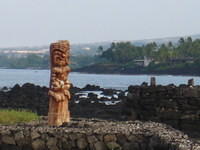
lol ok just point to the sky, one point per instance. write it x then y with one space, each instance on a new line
40 22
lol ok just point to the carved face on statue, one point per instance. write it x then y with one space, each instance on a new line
59 58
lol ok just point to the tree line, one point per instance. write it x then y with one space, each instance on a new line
31 61
34 61
124 52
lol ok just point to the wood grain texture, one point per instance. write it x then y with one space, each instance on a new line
59 94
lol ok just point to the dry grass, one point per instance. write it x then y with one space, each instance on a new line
8 116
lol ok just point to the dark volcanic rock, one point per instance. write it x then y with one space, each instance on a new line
28 96
89 87
177 106
35 98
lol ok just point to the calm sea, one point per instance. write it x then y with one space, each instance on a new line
10 77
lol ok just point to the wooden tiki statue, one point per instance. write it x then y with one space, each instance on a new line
59 94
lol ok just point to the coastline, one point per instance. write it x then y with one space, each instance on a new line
134 74
109 73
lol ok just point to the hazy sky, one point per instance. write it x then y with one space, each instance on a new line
39 22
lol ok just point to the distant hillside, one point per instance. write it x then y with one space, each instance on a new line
90 54
91 49
163 40
82 49
177 57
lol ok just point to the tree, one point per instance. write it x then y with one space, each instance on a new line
181 41
189 40
100 50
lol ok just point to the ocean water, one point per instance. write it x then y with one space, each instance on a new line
10 77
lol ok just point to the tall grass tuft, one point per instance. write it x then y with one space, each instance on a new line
9 116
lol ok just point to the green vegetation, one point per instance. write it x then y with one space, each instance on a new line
30 61
84 60
34 61
183 56
14 116
124 52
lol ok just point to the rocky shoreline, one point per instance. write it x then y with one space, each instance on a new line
90 101
117 69
177 106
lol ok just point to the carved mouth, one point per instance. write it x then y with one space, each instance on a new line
58 58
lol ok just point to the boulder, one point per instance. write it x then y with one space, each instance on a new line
100 146
38 145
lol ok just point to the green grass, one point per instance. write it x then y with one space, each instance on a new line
14 116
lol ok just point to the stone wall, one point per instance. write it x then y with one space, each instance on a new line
176 106
83 134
